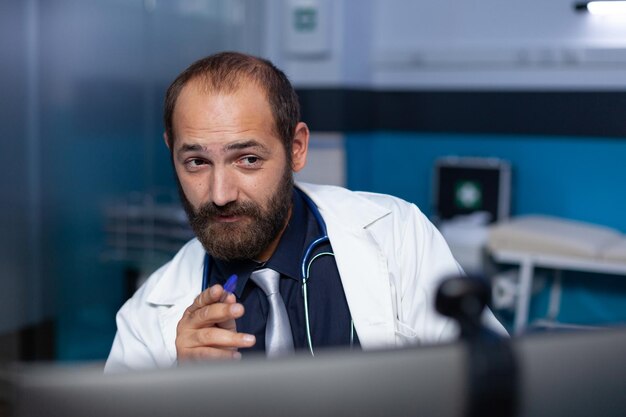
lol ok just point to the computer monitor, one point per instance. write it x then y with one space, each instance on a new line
464 185
405 382
577 374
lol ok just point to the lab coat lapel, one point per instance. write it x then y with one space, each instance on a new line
360 261
365 279
172 296
168 322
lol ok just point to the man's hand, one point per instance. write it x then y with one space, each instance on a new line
207 329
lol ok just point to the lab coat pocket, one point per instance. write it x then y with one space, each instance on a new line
405 335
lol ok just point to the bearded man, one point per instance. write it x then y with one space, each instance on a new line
354 269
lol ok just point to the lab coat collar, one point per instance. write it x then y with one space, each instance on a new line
180 277
355 212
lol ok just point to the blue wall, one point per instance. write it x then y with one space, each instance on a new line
576 178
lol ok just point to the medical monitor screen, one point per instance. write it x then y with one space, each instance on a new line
467 187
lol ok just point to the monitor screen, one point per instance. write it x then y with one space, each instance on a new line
469 185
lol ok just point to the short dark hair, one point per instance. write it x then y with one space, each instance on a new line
226 72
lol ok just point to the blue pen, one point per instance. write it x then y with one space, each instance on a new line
229 287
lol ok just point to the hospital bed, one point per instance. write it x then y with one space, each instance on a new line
535 241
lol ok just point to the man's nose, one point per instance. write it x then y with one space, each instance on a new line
223 187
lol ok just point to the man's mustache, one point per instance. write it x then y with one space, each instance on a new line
234 208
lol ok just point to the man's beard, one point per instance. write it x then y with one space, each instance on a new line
244 239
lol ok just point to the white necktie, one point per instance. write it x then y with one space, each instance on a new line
278 338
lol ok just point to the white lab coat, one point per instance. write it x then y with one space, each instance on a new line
390 259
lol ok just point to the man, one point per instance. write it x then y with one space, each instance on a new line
233 128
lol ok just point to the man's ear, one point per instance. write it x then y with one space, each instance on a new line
167 141
300 147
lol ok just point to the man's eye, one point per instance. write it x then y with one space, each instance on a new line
250 161
195 162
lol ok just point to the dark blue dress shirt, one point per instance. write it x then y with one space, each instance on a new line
329 315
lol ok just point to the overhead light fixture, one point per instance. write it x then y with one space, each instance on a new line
602 8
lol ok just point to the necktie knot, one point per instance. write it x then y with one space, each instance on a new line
267 279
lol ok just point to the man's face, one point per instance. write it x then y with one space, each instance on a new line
233 171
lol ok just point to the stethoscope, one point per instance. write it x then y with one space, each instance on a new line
305 267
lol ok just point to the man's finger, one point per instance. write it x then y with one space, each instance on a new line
207 297
220 314
205 353
220 338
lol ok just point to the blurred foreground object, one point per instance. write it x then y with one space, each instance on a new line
492 378
567 374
